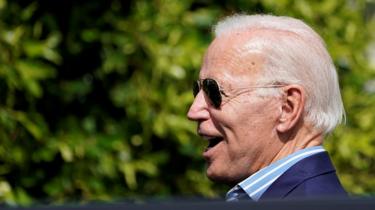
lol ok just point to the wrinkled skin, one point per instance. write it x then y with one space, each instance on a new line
246 124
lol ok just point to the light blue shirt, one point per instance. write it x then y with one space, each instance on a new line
256 184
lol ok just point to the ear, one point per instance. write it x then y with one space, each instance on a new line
292 107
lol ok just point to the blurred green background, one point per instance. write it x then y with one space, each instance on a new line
93 95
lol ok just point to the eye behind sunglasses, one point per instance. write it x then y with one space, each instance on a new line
211 89
213 92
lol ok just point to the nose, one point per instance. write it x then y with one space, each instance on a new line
198 110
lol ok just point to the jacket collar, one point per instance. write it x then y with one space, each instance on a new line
309 167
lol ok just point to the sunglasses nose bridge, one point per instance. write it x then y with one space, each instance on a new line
196 88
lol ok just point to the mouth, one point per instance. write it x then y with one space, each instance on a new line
212 142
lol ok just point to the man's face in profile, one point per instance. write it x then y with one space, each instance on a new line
241 132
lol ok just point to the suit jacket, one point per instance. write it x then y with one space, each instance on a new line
312 177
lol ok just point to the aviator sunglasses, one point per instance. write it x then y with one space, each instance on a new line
212 90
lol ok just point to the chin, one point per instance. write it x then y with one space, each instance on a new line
225 175
223 178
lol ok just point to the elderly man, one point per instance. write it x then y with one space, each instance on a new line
266 96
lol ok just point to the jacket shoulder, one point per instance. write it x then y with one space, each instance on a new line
323 185
313 176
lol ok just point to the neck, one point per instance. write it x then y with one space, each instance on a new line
304 138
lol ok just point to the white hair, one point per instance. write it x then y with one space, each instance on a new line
295 54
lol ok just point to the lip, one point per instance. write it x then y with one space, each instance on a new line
207 137
213 142
209 153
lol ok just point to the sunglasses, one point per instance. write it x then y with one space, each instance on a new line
210 88
213 92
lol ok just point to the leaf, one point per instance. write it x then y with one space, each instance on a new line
33 128
66 152
128 171
33 70
33 48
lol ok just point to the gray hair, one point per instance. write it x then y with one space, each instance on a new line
295 54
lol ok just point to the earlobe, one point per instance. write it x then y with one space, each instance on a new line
292 108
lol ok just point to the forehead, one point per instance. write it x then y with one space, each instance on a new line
228 58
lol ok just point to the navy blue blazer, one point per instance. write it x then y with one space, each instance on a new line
312 177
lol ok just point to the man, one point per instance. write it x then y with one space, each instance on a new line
267 95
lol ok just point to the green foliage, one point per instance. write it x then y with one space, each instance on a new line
93 95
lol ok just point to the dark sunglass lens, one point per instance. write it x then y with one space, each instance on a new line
211 88
195 88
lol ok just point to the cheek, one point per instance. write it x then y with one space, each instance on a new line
249 122
260 116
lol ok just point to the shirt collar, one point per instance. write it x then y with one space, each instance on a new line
256 184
